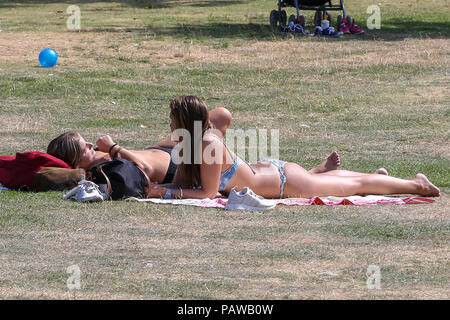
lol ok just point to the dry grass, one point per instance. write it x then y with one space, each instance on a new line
285 55
200 253
379 100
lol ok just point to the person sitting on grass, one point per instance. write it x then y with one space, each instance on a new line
269 178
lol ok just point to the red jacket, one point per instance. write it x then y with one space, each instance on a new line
18 171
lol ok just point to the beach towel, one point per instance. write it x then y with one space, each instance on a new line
328 201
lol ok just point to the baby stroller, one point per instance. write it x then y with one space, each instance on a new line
320 6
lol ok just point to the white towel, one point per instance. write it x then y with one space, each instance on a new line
329 201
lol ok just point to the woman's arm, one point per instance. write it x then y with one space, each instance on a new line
166 143
107 145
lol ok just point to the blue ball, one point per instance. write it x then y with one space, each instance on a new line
48 58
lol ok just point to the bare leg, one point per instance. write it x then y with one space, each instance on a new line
301 183
382 171
331 163
347 173
344 173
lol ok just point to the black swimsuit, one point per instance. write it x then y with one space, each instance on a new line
172 166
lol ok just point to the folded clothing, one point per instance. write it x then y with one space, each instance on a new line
294 28
330 31
86 191
17 172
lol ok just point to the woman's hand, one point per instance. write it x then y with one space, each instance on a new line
105 143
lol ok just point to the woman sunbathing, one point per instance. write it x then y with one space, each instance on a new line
155 161
270 178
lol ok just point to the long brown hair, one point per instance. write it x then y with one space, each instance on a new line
186 110
67 148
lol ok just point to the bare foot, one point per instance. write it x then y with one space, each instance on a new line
426 187
382 171
331 163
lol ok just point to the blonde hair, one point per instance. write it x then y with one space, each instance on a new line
67 148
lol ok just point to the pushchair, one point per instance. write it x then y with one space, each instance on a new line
320 6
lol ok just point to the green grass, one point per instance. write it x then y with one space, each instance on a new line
392 231
380 99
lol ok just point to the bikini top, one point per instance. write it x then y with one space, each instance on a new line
226 176
172 166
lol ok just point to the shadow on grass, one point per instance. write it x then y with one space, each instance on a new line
392 29
395 31
202 31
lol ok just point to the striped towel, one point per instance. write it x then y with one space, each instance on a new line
328 201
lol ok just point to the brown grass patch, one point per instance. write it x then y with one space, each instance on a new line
88 49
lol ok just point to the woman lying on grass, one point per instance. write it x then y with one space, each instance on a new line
155 161
269 178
